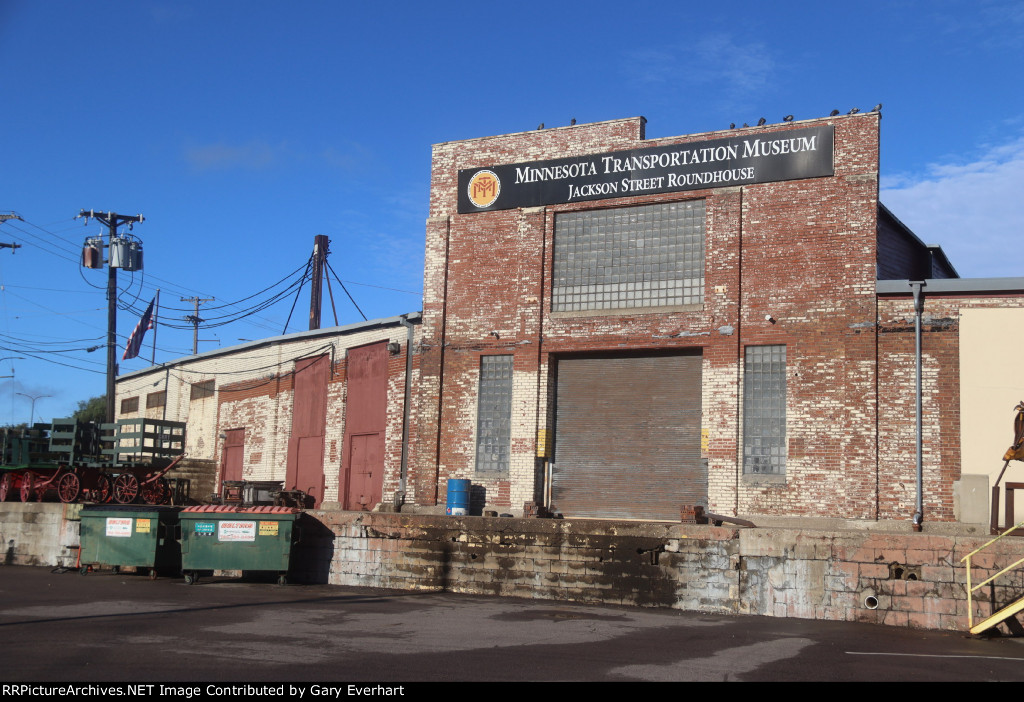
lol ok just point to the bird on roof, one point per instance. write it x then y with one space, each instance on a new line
732 125
853 111
833 113
572 121
877 108
540 126
787 118
761 122
745 124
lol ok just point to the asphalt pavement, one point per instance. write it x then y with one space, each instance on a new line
65 627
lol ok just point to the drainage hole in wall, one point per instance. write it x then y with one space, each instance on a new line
871 602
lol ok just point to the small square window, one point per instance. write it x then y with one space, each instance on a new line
202 390
156 399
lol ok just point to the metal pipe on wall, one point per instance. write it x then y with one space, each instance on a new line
400 496
918 288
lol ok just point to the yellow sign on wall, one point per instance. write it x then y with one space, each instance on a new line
543 446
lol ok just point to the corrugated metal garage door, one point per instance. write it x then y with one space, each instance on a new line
627 436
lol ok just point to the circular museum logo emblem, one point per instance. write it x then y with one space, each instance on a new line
484 188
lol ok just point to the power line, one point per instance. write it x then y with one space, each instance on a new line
345 289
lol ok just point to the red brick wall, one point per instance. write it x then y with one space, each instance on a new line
801 251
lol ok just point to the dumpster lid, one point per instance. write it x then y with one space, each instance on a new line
268 509
130 508
238 509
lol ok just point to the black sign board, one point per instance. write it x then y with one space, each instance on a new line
761 157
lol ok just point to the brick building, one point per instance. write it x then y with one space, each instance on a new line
615 326
323 411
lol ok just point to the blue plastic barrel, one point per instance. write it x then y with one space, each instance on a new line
458 497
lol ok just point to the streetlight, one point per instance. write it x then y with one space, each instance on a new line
16 358
33 398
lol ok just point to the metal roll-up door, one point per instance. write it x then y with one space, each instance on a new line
627 436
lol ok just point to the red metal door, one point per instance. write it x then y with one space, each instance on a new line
366 462
309 421
362 470
232 455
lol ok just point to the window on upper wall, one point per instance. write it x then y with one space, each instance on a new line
764 410
156 399
129 405
202 390
629 257
494 415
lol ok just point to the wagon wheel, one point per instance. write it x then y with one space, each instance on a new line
126 488
101 493
156 492
165 492
69 487
6 481
27 483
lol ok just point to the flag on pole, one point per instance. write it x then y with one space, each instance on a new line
135 340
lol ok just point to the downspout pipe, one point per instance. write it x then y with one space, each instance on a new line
917 286
400 495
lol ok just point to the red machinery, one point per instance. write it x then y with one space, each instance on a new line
84 462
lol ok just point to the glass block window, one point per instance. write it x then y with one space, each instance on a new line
649 256
494 414
764 410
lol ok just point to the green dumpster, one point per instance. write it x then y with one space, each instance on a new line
140 536
227 537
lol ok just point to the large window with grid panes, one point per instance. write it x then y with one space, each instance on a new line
764 410
629 257
494 415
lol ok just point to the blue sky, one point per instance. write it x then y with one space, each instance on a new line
242 129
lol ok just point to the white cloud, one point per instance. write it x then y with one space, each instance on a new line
736 70
972 209
259 154
256 155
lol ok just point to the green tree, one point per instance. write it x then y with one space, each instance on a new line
92 410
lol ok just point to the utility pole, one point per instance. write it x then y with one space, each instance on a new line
195 319
4 218
316 294
118 257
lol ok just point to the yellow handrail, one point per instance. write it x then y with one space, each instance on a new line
984 546
970 588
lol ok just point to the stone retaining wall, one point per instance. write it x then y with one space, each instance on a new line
898 579
39 533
